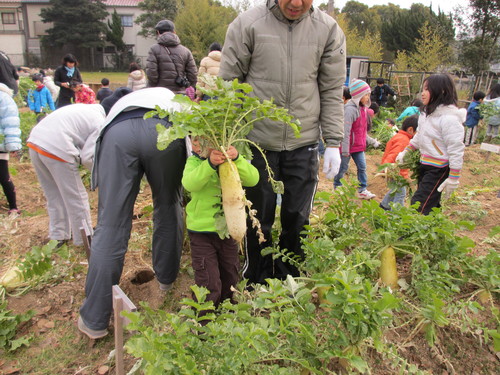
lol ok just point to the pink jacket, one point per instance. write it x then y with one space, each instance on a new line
355 127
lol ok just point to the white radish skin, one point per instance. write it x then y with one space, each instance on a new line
233 200
12 279
388 269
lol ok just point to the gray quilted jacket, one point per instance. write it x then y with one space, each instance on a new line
301 64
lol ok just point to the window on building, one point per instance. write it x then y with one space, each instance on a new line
8 18
109 49
127 21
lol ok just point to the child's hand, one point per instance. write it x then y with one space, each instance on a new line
217 157
232 153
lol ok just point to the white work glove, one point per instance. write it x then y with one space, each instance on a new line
394 97
448 186
376 143
401 156
331 164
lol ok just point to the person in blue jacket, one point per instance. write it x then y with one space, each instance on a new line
39 98
413 109
473 117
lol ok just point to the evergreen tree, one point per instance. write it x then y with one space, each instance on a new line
400 32
78 24
154 11
114 35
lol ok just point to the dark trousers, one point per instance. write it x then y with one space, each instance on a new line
429 180
216 264
7 184
128 151
298 170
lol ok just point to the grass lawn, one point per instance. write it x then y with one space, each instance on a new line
114 77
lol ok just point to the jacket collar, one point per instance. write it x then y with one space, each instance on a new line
405 133
274 8
450 110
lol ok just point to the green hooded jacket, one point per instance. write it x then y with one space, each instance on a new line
202 181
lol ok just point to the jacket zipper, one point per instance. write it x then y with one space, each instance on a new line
289 83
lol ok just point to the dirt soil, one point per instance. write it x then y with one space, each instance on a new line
58 348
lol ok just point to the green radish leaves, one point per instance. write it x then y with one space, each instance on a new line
224 120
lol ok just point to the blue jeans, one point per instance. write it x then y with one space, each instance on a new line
394 196
360 161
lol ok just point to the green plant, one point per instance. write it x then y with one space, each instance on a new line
9 324
274 330
25 84
31 269
327 319
381 130
488 109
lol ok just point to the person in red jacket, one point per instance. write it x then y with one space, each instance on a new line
395 145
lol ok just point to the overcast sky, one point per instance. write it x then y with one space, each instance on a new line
445 5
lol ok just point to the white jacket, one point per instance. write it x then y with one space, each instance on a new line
137 80
52 87
70 132
440 138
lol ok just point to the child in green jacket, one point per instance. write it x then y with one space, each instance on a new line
215 260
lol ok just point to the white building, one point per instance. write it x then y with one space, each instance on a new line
21 28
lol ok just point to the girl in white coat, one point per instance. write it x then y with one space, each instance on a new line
440 141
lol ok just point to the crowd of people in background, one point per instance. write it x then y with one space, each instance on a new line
114 140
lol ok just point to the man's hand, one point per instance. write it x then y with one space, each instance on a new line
331 164
401 156
448 186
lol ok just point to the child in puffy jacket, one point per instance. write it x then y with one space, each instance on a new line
413 109
355 136
40 98
473 117
440 141
83 93
10 142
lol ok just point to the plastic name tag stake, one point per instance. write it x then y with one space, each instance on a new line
490 148
120 303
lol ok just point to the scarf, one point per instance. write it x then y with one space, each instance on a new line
69 71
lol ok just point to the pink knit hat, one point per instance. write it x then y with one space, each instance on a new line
358 89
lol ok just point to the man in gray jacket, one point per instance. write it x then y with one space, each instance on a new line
170 64
295 54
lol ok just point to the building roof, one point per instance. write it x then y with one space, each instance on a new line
108 3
